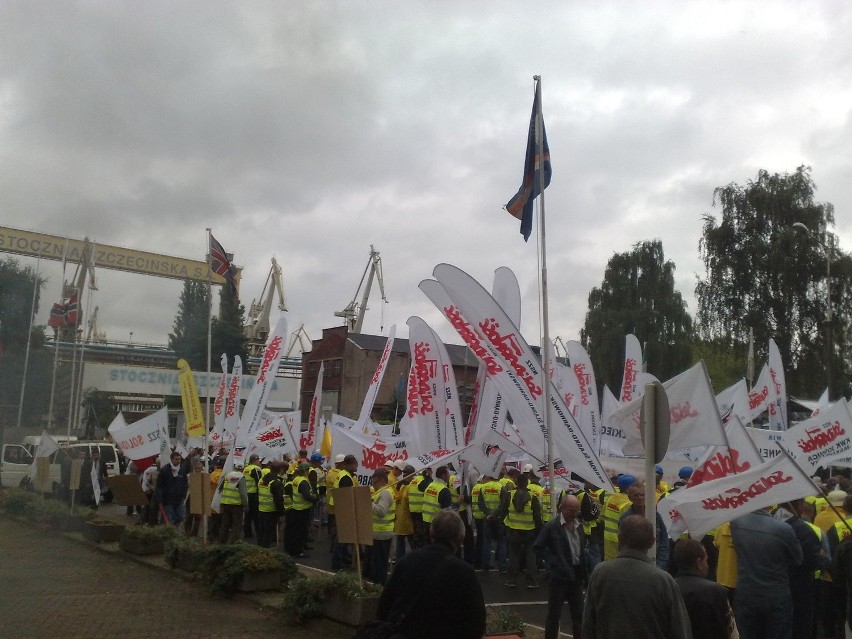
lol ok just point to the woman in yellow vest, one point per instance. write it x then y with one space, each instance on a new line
384 510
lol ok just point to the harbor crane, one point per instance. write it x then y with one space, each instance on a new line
257 326
354 311
299 336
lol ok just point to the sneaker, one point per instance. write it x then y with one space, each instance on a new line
510 584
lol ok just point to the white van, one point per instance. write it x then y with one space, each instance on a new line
17 459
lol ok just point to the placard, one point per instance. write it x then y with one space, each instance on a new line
353 512
76 471
126 490
41 481
200 494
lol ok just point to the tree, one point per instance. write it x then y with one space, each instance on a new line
638 296
765 269
189 336
17 285
229 335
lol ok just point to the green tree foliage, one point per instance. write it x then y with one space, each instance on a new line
17 285
188 338
764 273
229 330
638 296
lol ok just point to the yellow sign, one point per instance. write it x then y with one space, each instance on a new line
50 247
189 400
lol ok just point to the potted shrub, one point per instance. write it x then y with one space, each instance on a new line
19 503
58 516
247 568
187 553
103 531
146 540
503 623
340 597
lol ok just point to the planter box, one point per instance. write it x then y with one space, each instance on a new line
190 561
103 532
352 612
141 546
255 581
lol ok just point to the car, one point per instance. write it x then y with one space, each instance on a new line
17 460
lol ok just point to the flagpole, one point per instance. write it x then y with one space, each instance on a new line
207 381
56 343
545 324
29 335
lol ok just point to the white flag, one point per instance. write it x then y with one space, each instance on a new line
695 419
232 404
46 445
484 325
489 451
712 503
587 398
94 475
141 438
308 440
819 440
375 383
216 435
758 396
630 387
778 389
733 401
259 394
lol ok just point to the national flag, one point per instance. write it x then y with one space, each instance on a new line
57 316
71 314
521 205
220 263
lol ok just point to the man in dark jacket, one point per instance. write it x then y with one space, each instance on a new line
563 540
432 594
172 486
706 601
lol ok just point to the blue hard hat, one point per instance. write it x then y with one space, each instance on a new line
658 469
316 457
624 481
685 472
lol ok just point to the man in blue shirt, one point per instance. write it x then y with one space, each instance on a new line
766 550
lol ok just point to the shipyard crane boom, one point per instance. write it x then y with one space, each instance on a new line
354 311
99 337
300 335
257 326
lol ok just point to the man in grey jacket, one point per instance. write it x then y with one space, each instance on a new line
629 596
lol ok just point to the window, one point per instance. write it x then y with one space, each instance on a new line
336 368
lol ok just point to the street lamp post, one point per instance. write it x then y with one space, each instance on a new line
828 251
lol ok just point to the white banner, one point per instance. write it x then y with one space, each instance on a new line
375 383
766 441
758 396
630 388
489 451
712 503
733 401
46 445
256 402
496 340
695 419
819 440
425 398
216 435
142 438
587 399
307 441
232 404
778 390
740 455
613 437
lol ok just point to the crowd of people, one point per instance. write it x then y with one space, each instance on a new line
777 573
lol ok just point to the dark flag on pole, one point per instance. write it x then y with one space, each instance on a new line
521 205
220 263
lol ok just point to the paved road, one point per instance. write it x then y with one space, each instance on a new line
55 587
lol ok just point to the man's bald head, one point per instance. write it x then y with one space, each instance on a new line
570 507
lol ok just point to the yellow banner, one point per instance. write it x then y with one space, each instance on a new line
189 400
113 257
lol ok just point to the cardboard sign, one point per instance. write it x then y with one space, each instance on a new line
76 471
200 494
126 490
353 512
41 481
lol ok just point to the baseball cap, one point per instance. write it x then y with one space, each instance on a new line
303 466
389 463
658 469
836 497
338 459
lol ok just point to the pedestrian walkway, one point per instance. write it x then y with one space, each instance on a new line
54 586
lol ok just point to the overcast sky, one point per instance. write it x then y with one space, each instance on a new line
310 130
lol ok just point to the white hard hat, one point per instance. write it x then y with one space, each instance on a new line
528 468
339 459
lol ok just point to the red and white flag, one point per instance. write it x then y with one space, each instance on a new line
307 441
256 402
589 416
142 438
733 402
219 405
778 389
759 397
498 343
364 419
695 419
630 388
232 403
819 440
712 503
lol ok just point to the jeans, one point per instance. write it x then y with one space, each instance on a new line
759 617
377 564
175 514
521 556
494 532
